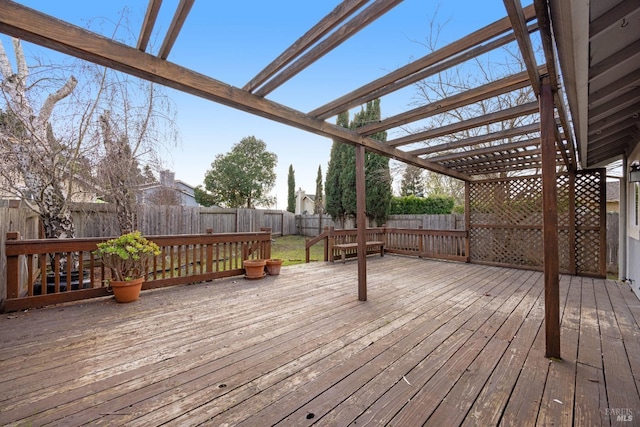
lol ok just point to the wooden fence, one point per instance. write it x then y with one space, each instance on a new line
99 220
313 225
450 245
427 222
37 277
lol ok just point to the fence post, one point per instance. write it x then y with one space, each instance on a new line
13 269
326 241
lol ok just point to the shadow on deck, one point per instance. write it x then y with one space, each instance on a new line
437 343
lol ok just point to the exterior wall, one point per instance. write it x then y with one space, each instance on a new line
633 253
633 229
304 204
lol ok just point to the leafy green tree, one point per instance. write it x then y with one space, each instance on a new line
319 204
291 195
412 181
244 176
203 197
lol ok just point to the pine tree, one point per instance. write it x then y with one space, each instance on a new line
412 181
291 195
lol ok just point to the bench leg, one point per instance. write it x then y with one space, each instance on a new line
381 250
344 256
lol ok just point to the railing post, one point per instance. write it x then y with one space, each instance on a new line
330 243
326 243
209 260
267 246
13 269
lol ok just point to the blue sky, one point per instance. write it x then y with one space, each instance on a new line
233 41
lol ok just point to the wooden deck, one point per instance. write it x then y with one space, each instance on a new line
437 343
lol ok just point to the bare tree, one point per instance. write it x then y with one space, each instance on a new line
36 164
164 196
481 70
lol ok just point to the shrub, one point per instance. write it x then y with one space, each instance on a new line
412 205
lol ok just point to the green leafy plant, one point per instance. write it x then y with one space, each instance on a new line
128 256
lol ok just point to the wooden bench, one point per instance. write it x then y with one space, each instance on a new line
344 247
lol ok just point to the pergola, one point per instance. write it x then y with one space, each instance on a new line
600 72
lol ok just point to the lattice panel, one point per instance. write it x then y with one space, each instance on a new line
505 222
588 200
512 247
563 253
515 201
589 222
587 259
564 194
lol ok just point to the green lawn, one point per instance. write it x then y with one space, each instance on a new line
291 250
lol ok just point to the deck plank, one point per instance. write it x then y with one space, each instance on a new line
437 343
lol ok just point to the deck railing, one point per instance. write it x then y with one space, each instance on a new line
184 259
450 245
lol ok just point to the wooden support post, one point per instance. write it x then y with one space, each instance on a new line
13 269
326 243
361 222
573 268
550 221
467 220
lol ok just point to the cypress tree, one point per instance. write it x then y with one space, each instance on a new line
332 186
319 205
377 172
291 194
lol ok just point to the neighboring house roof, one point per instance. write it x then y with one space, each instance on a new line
167 180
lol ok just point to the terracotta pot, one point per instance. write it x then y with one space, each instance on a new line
273 266
254 268
127 291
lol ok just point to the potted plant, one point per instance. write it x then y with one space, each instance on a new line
254 268
273 266
128 258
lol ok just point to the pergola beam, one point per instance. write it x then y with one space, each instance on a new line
485 150
326 24
506 114
149 22
519 24
480 139
364 18
489 90
546 35
474 39
179 17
